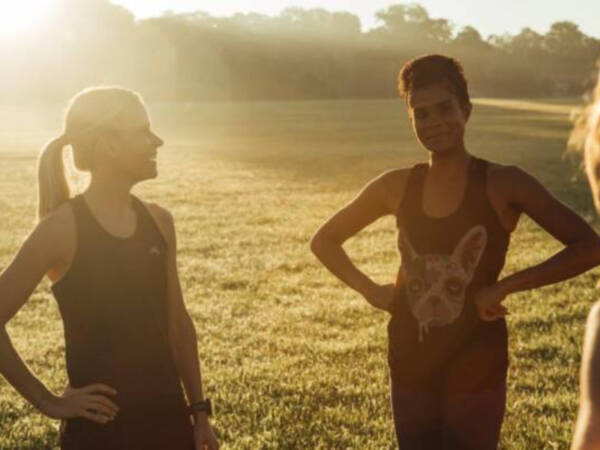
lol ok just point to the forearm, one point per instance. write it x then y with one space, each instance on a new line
569 262
185 352
19 376
587 430
336 260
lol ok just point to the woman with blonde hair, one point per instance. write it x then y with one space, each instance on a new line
111 258
586 138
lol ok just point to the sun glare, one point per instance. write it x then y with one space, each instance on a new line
20 17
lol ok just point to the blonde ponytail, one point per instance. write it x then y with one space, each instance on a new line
89 114
53 186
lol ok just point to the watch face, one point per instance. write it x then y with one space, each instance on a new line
202 406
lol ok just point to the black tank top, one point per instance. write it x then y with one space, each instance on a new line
444 261
113 305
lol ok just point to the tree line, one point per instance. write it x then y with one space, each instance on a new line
298 54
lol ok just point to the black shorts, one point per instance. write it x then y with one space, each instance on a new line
142 430
460 407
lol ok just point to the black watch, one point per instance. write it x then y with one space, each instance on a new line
201 406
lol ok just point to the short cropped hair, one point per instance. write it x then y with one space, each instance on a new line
431 69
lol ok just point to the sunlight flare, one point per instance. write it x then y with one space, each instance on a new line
18 18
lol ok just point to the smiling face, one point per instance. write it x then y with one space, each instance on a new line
437 117
131 147
109 131
436 284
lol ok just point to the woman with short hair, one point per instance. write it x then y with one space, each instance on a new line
448 352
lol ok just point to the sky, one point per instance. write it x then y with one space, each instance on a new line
488 16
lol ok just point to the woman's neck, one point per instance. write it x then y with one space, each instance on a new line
447 164
109 193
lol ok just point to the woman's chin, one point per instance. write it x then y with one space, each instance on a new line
442 147
439 149
147 175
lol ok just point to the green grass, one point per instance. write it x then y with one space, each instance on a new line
291 358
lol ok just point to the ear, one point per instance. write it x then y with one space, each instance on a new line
467 109
469 250
406 248
408 110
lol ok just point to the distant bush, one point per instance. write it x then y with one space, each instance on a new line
299 54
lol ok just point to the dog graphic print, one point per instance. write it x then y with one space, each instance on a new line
436 284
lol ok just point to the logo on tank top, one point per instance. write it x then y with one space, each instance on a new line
154 251
436 283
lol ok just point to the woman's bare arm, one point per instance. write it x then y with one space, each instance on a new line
182 332
582 244
44 249
587 428
38 255
379 198
581 251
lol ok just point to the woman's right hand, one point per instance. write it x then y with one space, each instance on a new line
89 402
381 296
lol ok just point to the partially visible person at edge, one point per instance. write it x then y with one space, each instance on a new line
586 138
111 259
455 214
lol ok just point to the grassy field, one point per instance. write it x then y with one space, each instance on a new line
291 358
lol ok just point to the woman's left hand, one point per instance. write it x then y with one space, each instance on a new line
204 437
488 301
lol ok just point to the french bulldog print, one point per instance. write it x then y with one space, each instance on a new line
436 283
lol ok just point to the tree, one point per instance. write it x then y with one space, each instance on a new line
469 37
411 23
565 40
318 21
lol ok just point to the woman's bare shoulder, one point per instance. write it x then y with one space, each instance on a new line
393 183
58 227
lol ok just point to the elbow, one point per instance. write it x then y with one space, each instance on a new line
182 329
3 322
319 244
594 249
324 244
316 243
190 327
588 251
